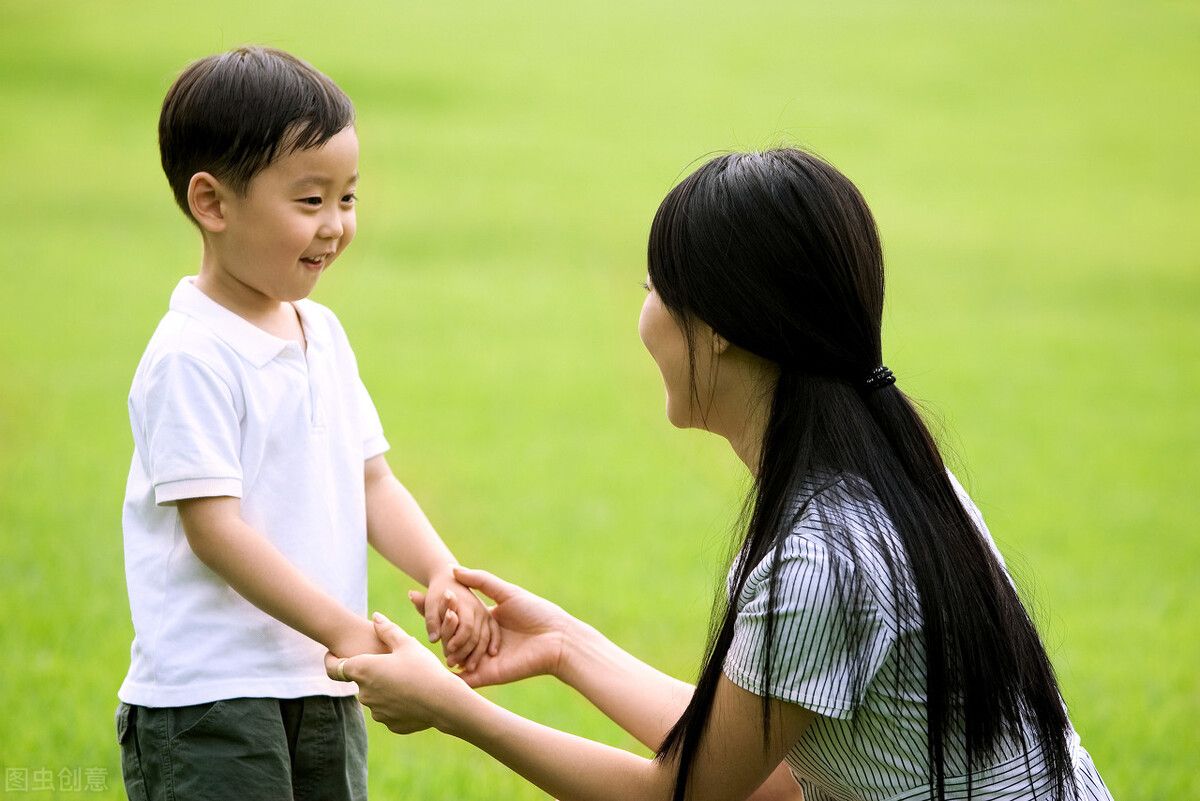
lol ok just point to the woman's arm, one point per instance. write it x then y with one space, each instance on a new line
542 638
408 690
644 701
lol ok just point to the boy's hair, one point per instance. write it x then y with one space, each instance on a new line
234 113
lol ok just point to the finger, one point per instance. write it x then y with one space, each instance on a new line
464 632
418 601
494 640
448 628
387 631
481 646
463 644
340 668
481 649
495 588
434 612
331 663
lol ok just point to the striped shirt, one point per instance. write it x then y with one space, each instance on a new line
839 652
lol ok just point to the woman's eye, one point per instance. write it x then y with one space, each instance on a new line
644 285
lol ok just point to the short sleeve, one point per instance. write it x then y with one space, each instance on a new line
192 431
374 442
829 637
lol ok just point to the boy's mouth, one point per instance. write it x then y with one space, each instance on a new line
316 262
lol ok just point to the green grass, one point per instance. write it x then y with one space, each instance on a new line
1034 171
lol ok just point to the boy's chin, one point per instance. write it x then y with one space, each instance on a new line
290 295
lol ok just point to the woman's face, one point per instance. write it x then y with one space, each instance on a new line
664 338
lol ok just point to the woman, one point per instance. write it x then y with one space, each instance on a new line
871 638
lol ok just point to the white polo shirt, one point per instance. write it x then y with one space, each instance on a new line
220 407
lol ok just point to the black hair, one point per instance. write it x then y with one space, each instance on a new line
234 113
778 253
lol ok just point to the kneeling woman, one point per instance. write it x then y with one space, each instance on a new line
872 641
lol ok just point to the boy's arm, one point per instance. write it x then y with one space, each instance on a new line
262 575
402 534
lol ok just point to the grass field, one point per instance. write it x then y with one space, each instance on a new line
1035 173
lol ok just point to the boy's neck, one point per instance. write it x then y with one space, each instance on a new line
276 317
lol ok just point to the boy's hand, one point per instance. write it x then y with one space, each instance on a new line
456 616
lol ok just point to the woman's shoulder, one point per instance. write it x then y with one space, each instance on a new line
828 522
838 530
841 515
835 506
841 548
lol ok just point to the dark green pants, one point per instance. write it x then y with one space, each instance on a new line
254 748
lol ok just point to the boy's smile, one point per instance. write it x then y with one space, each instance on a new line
271 245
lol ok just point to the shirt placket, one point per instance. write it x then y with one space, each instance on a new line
312 374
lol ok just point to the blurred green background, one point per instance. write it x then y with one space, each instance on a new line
1035 173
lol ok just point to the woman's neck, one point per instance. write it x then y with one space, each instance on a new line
741 404
747 442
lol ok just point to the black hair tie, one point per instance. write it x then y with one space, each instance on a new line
879 378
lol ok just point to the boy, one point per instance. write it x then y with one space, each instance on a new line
258 474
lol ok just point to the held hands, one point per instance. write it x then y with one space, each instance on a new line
534 631
407 688
454 615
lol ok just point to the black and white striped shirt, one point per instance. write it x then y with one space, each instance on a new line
838 652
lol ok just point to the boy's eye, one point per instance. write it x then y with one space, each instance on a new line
350 198
311 201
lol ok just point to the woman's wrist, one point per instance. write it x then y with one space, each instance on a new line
580 645
460 712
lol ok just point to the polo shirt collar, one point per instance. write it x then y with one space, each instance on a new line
248 340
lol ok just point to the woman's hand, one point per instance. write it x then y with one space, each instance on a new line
406 690
534 631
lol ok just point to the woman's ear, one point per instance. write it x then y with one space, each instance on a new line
205 196
719 344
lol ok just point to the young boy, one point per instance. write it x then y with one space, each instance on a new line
258 474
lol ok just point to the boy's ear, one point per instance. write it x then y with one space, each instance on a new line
205 197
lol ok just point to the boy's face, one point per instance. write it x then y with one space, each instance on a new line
296 217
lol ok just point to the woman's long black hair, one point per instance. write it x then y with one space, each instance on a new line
778 253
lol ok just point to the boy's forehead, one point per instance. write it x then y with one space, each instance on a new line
320 179
334 162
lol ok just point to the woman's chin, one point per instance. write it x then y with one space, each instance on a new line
679 419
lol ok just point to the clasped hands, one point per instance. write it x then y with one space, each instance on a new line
408 689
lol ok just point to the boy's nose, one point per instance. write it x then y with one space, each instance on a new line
331 229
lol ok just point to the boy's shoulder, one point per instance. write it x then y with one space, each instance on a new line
197 330
180 336
183 353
